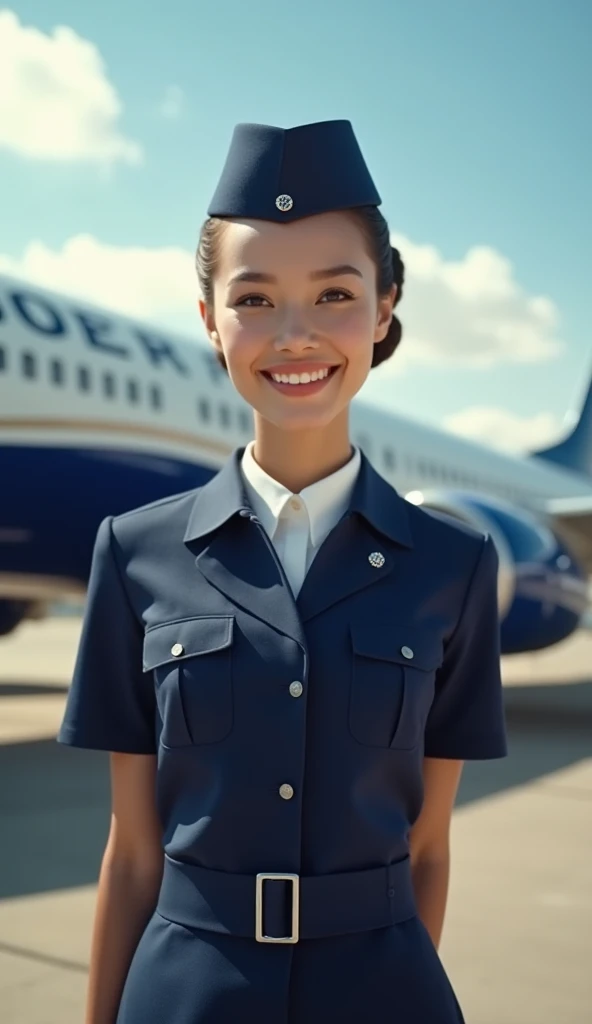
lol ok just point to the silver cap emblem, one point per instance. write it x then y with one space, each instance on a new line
377 559
284 203
177 649
406 652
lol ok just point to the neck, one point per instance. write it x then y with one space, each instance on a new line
299 458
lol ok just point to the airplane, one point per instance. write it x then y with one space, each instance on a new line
101 413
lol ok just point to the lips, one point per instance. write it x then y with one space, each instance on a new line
297 380
299 373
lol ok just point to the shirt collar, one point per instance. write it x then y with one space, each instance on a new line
225 496
326 501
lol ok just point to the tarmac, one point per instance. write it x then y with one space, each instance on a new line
517 941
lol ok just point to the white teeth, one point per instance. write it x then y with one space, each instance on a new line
300 378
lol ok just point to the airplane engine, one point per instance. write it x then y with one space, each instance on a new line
542 590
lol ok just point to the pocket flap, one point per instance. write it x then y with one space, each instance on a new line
201 635
423 648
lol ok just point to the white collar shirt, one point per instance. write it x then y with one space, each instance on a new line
297 524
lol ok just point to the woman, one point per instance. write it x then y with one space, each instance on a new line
290 664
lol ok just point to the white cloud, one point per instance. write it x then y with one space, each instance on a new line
471 312
505 430
172 104
56 101
159 285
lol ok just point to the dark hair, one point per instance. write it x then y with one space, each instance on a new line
389 266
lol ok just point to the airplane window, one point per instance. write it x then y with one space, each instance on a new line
2 358
155 396
84 378
29 365
421 467
56 371
109 385
224 415
203 409
389 458
133 392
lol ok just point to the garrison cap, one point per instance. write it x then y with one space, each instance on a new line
283 174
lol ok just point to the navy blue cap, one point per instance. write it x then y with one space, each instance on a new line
283 174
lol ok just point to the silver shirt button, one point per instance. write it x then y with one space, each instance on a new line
296 688
177 649
377 559
286 791
406 652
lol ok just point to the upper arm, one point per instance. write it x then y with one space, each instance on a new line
428 838
136 832
111 702
466 719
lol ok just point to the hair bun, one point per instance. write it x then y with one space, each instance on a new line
383 350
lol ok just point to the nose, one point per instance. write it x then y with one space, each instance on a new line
295 334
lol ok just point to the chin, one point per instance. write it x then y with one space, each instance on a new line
292 421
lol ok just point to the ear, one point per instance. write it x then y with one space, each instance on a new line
210 324
386 305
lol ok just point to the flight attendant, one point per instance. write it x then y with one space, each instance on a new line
290 664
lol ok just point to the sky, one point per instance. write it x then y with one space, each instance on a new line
473 118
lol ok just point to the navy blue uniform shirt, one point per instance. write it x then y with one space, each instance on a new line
191 645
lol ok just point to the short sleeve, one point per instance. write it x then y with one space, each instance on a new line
466 720
111 703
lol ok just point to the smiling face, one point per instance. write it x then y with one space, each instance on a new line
296 315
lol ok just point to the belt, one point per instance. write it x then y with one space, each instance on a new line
283 908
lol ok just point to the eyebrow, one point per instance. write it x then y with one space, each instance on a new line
255 277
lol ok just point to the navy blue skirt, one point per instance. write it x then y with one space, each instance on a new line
182 975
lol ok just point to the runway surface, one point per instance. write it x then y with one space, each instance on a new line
517 941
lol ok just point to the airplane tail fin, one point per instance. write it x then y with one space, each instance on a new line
575 450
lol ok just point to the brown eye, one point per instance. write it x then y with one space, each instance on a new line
335 295
252 300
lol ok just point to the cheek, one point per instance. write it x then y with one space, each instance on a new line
242 340
350 327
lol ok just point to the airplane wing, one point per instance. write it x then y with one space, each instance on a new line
572 518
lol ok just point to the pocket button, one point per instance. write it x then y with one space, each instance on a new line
406 652
177 649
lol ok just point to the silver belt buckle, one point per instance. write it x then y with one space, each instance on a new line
276 877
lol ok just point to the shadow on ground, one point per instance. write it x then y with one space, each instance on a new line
23 689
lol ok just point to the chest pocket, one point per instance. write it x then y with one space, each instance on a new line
191 660
392 684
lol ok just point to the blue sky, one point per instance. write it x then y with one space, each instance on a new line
472 117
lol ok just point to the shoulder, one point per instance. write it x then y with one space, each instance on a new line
451 543
443 526
164 519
